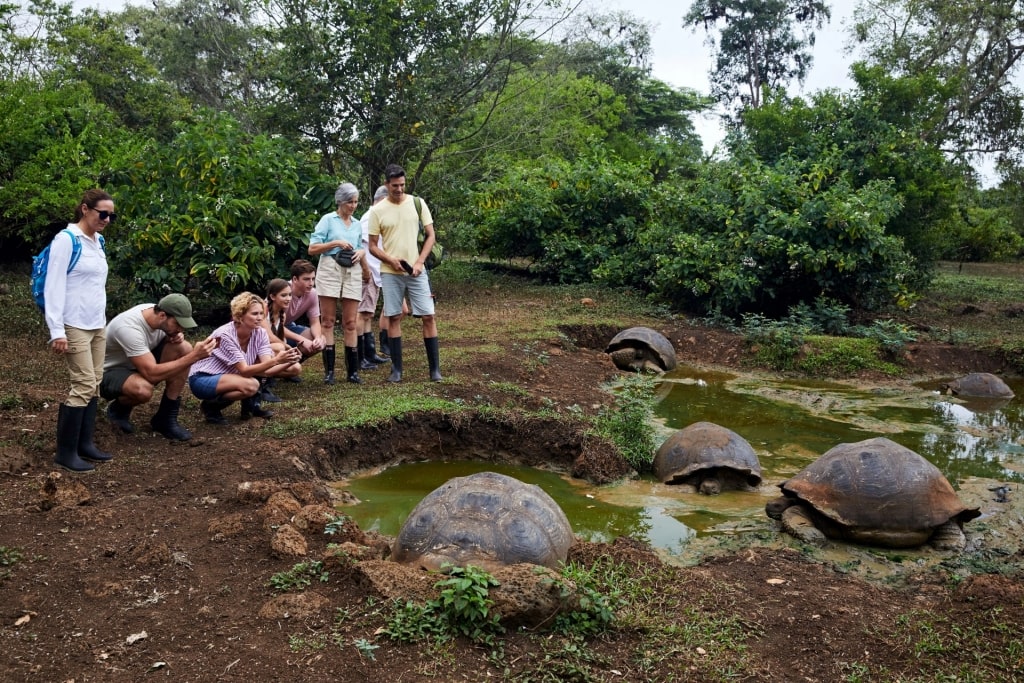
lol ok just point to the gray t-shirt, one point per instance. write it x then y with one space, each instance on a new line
129 336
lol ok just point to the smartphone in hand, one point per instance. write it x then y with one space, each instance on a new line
406 266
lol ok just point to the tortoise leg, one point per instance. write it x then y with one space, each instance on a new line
949 536
798 523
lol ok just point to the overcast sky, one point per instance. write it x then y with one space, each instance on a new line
681 57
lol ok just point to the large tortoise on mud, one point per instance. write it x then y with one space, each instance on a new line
979 385
875 492
708 457
641 349
485 519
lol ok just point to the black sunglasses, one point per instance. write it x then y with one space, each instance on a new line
104 215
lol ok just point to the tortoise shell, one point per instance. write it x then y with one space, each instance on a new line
877 491
702 447
485 519
981 385
641 348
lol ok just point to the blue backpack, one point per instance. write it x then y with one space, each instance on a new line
41 261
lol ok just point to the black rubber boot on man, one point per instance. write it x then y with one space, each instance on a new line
433 358
165 421
396 359
119 415
69 425
87 449
385 347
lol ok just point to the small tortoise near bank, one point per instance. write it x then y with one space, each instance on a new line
979 385
875 492
641 349
488 520
708 457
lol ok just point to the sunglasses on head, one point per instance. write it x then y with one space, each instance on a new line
106 215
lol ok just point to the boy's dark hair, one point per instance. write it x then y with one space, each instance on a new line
393 171
301 266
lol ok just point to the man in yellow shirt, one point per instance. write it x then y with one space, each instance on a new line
394 227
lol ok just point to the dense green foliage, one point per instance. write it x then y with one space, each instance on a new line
534 131
215 210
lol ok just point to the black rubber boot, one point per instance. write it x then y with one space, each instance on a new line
352 364
396 359
385 348
165 421
433 358
266 394
87 449
365 363
211 410
69 427
329 364
370 350
119 415
252 407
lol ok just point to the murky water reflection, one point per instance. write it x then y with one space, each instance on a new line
788 423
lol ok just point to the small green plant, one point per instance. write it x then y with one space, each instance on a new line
297 643
299 577
628 423
337 524
594 611
366 648
892 336
8 558
463 608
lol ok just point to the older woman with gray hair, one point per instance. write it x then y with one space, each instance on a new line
338 241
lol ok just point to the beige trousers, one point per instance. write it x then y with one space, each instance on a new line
85 363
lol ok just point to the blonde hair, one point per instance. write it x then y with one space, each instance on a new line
242 303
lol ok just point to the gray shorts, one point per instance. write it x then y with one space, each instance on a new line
397 287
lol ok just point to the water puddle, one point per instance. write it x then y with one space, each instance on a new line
788 423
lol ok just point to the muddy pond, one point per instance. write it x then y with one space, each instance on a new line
976 443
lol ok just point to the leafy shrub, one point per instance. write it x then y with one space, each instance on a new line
775 343
596 610
215 211
628 423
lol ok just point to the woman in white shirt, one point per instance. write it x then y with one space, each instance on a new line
76 304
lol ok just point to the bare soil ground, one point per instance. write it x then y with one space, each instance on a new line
156 566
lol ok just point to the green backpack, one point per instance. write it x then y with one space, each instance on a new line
436 254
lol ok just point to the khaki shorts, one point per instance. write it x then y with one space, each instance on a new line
336 282
371 293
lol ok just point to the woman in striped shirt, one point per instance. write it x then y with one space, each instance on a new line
242 361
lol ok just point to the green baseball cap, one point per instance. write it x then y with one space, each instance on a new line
180 308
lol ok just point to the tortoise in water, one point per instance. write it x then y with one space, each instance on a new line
980 385
485 519
875 492
708 457
641 349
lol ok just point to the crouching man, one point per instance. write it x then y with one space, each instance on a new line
146 346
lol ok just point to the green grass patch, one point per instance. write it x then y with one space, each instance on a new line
841 356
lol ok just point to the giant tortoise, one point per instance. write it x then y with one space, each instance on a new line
875 492
979 385
708 457
485 519
640 349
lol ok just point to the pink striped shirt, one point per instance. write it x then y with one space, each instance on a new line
229 353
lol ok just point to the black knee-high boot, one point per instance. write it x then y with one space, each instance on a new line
370 350
69 427
87 448
385 348
433 358
352 364
396 359
329 364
